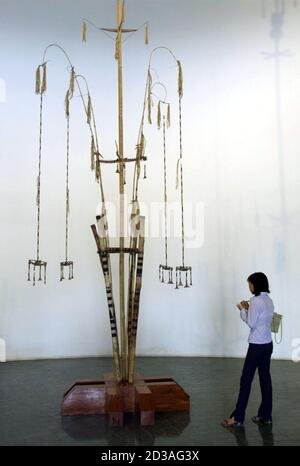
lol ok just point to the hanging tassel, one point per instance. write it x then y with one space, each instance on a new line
89 109
44 82
67 104
177 172
168 117
84 31
72 83
158 116
149 97
38 80
146 34
92 154
180 79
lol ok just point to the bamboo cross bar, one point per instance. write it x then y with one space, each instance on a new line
117 30
124 160
131 250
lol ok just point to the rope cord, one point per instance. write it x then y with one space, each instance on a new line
39 180
181 181
165 189
67 186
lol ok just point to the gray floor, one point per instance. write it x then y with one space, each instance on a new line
31 392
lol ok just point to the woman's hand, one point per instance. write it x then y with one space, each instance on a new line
243 305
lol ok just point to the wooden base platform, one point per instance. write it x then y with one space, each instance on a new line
145 396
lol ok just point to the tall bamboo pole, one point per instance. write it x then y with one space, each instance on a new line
120 12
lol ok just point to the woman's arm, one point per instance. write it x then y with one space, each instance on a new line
250 316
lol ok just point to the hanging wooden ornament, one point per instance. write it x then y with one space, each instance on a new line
38 267
67 264
165 268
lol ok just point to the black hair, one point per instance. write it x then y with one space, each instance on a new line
260 283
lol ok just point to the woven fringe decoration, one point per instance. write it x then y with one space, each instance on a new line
72 83
38 80
89 109
168 117
146 34
84 31
92 154
158 116
180 79
67 105
44 81
149 97
177 173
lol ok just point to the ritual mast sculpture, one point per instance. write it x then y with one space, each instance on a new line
125 390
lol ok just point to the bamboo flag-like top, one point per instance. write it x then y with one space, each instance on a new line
121 12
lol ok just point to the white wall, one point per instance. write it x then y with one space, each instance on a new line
241 151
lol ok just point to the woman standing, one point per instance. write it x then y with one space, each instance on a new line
258 314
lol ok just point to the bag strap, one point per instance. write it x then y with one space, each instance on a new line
275 334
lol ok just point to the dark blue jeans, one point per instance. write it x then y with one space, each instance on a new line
258 357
